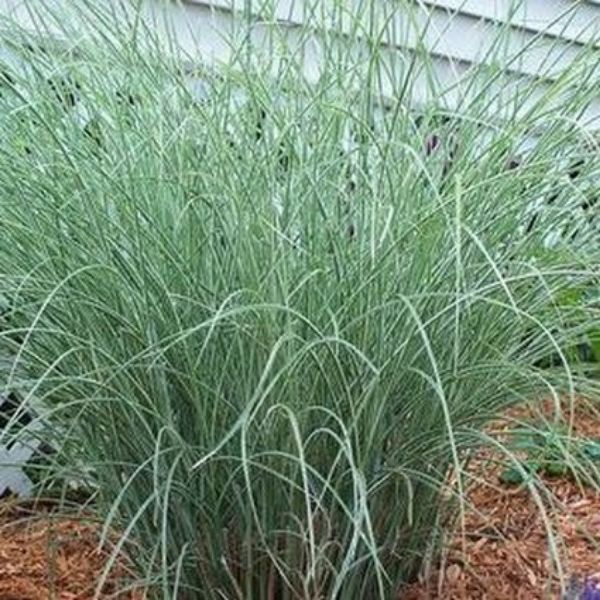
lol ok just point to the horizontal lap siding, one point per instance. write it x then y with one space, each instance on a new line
456 34
466 25
559 18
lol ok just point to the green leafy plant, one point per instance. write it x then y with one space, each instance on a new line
550 451
579 303
271 322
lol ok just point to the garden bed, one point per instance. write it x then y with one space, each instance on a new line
503 553
504 550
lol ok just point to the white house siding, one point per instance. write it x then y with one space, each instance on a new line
532 40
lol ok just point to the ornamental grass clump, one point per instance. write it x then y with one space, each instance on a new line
268 322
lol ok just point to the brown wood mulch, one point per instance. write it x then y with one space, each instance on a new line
45 556
502 552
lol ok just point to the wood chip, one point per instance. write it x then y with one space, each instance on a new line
50 557
514 562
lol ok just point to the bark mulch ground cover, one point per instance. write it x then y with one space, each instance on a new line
502 553
44 556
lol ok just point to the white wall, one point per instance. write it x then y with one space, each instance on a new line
533 40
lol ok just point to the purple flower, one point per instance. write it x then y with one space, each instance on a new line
591 590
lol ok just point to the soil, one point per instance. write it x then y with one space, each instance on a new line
502 552
44 556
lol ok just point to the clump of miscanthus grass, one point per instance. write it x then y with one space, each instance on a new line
267 326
